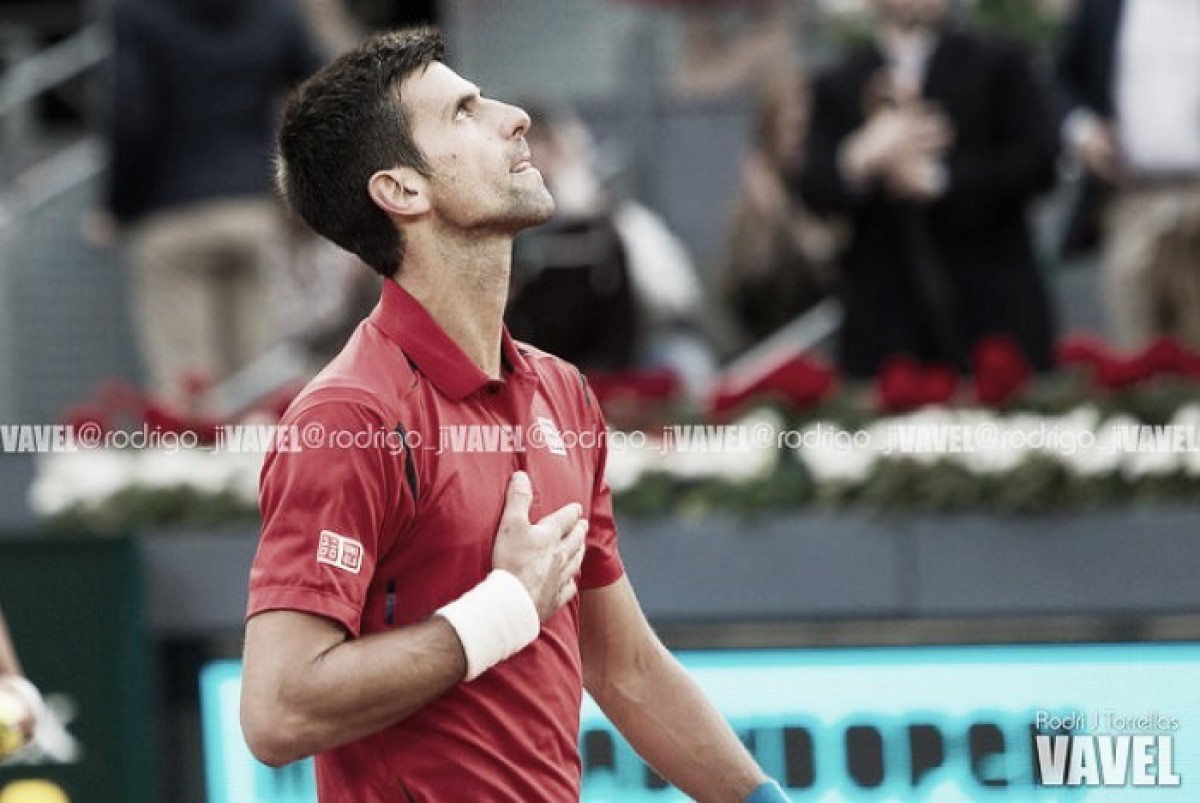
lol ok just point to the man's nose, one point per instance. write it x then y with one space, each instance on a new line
516 121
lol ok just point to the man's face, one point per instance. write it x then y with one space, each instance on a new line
910 14
482 174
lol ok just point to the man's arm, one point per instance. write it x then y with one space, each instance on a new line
307 686
9 665
14 687
656 705
1083 106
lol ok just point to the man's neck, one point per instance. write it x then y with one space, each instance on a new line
464 287
894 37
906 49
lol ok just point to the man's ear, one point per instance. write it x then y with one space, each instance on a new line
400 191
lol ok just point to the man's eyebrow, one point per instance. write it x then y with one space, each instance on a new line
470 94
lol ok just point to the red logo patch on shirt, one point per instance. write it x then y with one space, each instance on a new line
340 552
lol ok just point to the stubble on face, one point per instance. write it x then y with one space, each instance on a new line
481 175
531 203
471 205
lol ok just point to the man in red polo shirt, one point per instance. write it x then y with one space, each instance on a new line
438 575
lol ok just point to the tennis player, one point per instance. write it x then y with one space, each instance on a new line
438 576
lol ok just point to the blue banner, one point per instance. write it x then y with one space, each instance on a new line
1026 723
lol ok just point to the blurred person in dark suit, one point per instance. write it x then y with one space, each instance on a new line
195 89
572 290
389 14
605 283
933 141
1129 79
779 258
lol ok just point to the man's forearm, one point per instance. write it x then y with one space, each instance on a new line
9 665
352 689
674 727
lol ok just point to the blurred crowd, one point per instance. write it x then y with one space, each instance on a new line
896 175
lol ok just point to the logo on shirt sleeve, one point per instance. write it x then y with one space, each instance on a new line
340 552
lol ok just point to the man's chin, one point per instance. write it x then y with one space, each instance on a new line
536 213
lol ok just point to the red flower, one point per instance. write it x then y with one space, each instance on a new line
195 384
206 430
163 418
723 402
1165 356
797 380
899 384
655 385
117 397
1116 373
89 415
1082 349
1001 370
801 381
159 417
939 383
903 384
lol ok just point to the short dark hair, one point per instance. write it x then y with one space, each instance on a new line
342 126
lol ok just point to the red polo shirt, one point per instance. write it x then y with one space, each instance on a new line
384 508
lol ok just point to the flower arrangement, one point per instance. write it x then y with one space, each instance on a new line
1105 429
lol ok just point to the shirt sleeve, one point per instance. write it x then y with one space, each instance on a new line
332 500
602 564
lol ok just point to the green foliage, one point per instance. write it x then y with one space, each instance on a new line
1017 19
894 484
139 508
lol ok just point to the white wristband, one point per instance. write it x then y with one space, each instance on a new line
494 620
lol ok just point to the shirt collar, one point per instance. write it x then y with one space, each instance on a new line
434 353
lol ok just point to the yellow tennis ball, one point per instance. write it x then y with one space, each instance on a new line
33 792
15 723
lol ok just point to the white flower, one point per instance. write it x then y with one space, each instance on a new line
1082 448
204 471
998 444
1100 454
1140 453
742 451
86 477
834 455
920 436
1188 418
90 477
628 460
244 470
